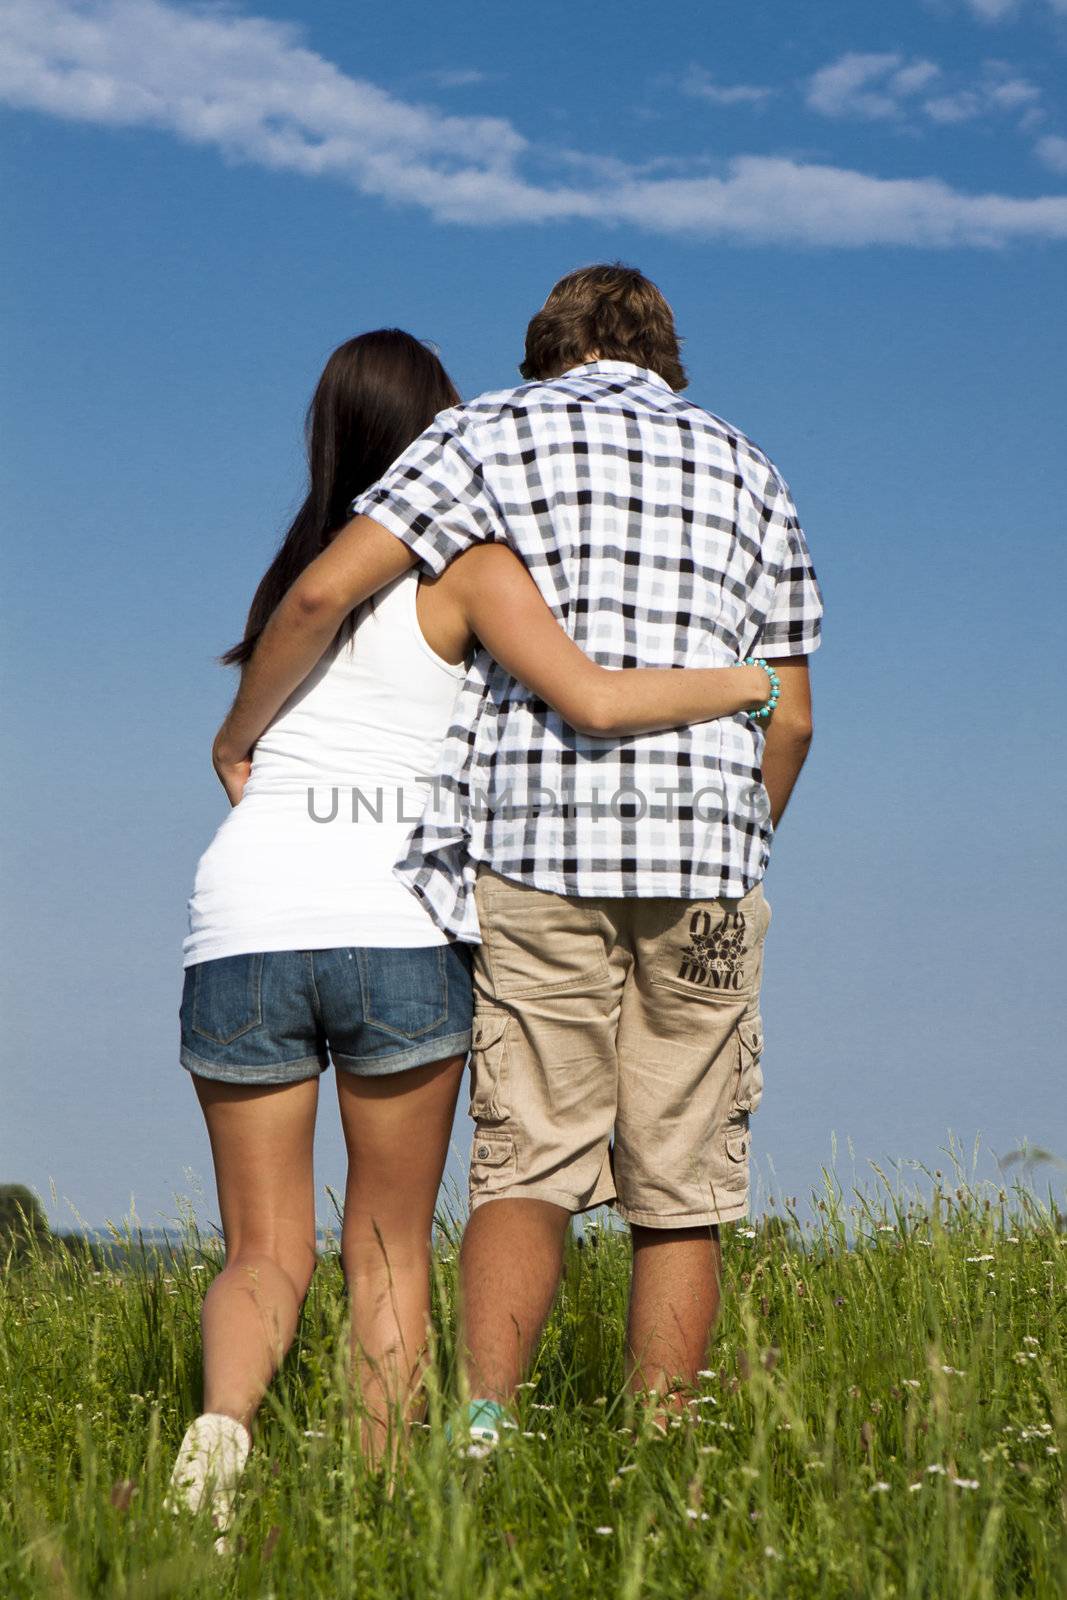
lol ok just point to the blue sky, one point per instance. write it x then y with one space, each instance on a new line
860 216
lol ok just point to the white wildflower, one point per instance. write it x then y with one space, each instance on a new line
912 1383
881 1487
913 1486
747 1233
314 1433
605 1532
980 1258
953 1372
936 1467
1028 1338
771 1553
630 1467
697 1516
477 1452
705 1372
886 1227
965 1483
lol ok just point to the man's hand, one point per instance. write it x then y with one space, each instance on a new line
233 770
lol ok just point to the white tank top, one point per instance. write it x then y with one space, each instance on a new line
305 862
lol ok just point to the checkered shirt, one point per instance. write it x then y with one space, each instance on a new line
659 536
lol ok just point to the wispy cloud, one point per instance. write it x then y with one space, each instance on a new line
994 11
872 86
249 88
456 77
700 85
886 87
1052 152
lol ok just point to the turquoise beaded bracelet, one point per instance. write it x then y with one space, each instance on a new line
758 661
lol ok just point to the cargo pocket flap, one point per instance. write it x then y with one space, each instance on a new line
737 1142
492 1150
751 1030
489 1028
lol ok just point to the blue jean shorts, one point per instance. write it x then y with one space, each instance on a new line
282 1015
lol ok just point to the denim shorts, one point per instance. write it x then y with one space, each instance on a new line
281 1015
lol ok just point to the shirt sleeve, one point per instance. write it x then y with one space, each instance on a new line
434 497
793 624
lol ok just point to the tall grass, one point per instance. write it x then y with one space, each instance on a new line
882 1415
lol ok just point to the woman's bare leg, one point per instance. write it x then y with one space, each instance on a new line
397 1130
262 1143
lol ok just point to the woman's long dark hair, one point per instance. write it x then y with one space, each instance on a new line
377 393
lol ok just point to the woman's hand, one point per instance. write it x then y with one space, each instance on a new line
233 769
755 686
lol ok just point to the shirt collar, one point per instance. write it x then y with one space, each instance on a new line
617 369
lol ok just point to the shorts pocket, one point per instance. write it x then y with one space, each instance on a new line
493 1162
750 1072
715 952
226 997
535 942
489 1078
404 992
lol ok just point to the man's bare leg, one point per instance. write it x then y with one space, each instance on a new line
509 1272
674 1303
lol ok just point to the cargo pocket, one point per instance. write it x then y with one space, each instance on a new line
493 1163
226 997
737 1139
489 1075
749 1072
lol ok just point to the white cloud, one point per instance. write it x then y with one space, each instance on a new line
884 88
919 75
844 88
699 85
1052 151
1012 93
247 87
992 10
457 77
963 106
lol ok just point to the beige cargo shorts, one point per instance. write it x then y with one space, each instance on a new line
616 1053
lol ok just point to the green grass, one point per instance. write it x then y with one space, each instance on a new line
883 1415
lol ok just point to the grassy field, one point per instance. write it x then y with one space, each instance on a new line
883 1415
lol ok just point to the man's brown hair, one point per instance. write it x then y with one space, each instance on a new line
612 311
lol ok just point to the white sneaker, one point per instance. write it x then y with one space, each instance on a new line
210 1462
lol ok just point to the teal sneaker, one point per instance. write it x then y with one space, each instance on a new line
483 1424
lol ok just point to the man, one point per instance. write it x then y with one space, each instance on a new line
616 884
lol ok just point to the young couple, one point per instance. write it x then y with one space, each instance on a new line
543 601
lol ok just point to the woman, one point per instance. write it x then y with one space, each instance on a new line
303 947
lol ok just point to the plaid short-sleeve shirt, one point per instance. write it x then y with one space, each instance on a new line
660 537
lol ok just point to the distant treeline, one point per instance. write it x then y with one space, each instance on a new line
25 1233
